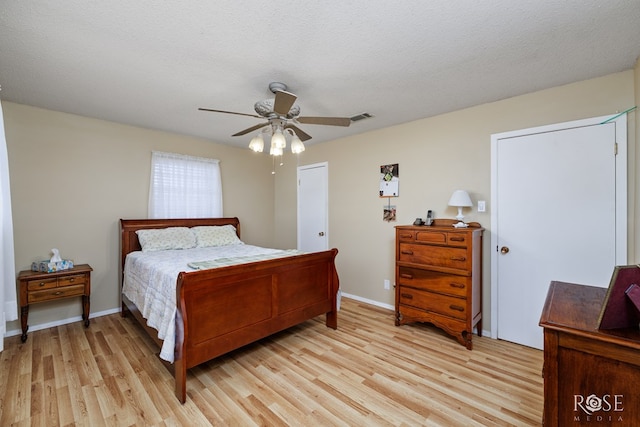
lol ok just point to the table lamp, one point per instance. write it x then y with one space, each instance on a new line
460 199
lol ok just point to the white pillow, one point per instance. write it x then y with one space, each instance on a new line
216 235
161 239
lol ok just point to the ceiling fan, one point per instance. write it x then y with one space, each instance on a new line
282 113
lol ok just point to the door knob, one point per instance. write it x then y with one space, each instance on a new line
321 233
504 250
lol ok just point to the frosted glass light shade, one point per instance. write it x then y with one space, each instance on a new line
257 143
275 150
297 146
278 139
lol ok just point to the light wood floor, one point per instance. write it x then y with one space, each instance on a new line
368 372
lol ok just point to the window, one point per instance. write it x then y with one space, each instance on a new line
184 187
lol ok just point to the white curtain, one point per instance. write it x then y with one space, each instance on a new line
184 187
7 258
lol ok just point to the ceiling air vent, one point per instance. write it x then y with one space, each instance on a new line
361 116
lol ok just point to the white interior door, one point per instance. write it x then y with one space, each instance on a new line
313 197
557 198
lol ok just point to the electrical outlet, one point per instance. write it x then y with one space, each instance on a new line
482 207
387 284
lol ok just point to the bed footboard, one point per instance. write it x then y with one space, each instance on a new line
222 309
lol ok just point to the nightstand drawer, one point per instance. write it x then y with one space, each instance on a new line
434 281
78 279
55 293
437 303
35 285
438 256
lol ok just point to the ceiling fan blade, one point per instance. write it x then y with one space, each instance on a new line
251 129
330 121
283 103
229 112
301 134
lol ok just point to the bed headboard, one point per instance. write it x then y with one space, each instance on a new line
128 227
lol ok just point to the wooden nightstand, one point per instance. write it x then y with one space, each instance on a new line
36 287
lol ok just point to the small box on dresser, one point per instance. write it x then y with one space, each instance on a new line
439 277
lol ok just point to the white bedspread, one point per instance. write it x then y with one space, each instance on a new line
150 283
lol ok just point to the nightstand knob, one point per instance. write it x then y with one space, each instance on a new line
41 284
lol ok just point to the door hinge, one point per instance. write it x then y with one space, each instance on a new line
615 148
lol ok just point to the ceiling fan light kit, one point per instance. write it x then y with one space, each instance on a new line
282 116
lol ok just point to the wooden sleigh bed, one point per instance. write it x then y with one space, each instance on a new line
222 309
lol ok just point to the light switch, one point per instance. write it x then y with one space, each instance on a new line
481 206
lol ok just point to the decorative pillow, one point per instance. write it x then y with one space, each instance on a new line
216 235
161 239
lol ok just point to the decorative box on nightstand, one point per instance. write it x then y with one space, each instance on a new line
439 277
37 287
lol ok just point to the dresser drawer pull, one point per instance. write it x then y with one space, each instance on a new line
457 285
406 236
406 252
458 258
456 307
72 279
457 239
406 276
407 296
59 293
41 284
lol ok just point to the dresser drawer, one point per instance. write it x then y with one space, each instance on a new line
434 236
35 285
434 281
457 239
55 293
406 235
431 237
437 303
438 256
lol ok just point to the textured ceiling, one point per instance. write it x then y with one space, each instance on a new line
152 64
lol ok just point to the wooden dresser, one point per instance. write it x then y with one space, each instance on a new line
439 277
591 376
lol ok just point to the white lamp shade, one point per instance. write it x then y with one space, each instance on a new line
460 198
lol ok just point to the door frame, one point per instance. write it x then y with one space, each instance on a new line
620 183
325 167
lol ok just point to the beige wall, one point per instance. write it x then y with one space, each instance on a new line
73 178
436 156
103 171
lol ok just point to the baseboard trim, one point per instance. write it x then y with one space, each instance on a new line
33 328
41 326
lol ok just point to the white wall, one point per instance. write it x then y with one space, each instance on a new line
73 178
436 156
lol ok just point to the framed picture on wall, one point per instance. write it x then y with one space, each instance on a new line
389 180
